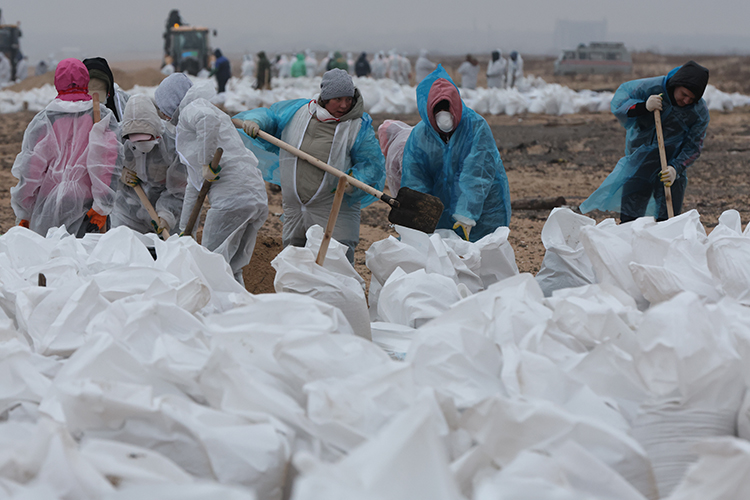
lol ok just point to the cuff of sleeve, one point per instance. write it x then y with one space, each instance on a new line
464 220
168 219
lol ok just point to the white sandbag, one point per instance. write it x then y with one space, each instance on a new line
415 298
349 411
609 248
595 313
503 428
565 263
336 260
297 272
199 490
119 247
406 460
729 261
566 472
125 465
393 338
721 471
23 381
670 257
463 365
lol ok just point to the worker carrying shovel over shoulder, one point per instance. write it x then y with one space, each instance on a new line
334 128
239 204
636 187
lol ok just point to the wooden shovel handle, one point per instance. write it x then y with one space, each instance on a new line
322 165
337 198
663 157
97 117
202 195
149 208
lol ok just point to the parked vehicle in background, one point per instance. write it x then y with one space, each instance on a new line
595 58
186 47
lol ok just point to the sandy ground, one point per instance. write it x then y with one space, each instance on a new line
544 156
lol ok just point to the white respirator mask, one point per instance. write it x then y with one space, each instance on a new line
444 121
144 146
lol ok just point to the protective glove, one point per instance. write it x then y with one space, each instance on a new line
210 174
24 223
654 102
668 176
465 224
251 128
129 178
159 226
96 219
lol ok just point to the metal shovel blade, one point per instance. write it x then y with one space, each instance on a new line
416 210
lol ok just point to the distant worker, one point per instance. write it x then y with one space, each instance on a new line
405 68
103 83
298 66
284 66
469 71
22 67
151 161
222 70
68 166
334 128
311 63
41 68
378 66
350 63
496 70
515 69
248 66
452 154
423 66
5 69
238 200
362 66
263 75
323 65
635 188
392 135
168 67
338 62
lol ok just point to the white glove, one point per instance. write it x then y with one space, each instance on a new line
129 178
668 176
654 102
209 174
251 128
465 224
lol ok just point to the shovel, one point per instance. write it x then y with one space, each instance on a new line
663 156
409 208
202 195
150 209
97 117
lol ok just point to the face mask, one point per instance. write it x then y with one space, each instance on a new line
144 146
444 121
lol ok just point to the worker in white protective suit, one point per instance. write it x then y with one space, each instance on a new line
405 67
423 66
68 166
22 68
334 128
378 66
311 63
515 69
496 70
469 71
248 66
5 69
239 204
151 161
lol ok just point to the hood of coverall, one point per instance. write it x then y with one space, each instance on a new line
436 87
140 117
99 68
170 92
690 75
72 80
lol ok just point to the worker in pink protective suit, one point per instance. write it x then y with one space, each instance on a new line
68 165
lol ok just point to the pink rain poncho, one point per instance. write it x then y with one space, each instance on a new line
67 164
392 135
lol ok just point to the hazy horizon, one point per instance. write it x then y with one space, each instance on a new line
134 30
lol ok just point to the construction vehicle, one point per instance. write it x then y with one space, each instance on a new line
594 58
186 47
10 45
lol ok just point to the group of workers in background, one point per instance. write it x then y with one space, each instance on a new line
81 173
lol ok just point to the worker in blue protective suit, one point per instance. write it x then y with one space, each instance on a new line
451 154
635 187
333 128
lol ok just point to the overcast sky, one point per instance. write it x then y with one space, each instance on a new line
133 29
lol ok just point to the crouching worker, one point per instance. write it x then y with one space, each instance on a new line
151 161
635 187
334 128
68 166
452 154
239 205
